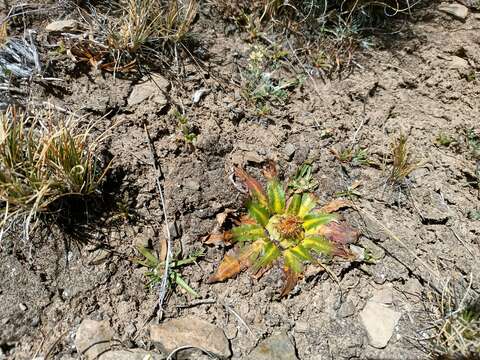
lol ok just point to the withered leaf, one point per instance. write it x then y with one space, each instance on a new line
163 249
214 239
229 267
253 185
335 205
270 171
339 233
291 279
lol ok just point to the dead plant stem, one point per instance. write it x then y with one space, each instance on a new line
158 178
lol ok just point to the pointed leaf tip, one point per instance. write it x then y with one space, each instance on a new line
253 185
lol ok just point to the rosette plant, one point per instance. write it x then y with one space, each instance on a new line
286 229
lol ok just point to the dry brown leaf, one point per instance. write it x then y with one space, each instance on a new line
163 250
214 239
228 268
270 171
291 280
339 233
335 205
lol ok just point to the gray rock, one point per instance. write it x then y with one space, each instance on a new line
379 320
276 347
192 185
384 296
93 338
458 11
346 309
199 94
153 89
190 331
133 354
289 150
62 26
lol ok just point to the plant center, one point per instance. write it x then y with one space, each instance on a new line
290 227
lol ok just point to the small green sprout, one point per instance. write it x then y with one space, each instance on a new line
303 180
444 139
156 268
189 136
354 156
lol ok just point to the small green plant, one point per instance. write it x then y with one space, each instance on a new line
303 180
354 156
444 139
473 141
156 268
43 164
189 136
261 85
289 230
474 215
402 162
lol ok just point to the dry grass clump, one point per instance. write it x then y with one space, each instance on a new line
327 32
43 163
132 32
402 162
454 323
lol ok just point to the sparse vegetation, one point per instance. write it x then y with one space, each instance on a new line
402 162
289 230
303 180
187 131
473 141
444 140
455 323
156 268
263 85
137 32
329 31
43 163
352 155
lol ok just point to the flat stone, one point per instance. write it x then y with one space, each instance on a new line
384 295
62 26
276 347
93 338
152 89
289 150
379 320
133 354
190 331
458 11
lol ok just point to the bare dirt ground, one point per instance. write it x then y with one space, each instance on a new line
422 82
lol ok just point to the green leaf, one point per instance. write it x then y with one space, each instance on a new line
249 232
259 213
152 261
318 244
292 261
276 197
314 220
269 254
308 203
301 252
294 204
175 277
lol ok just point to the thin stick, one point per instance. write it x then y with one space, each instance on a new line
159 176
210 354
239 318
